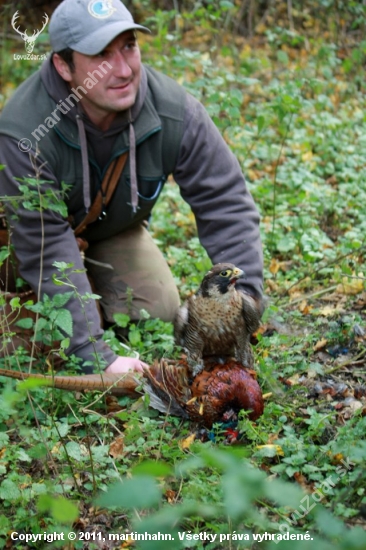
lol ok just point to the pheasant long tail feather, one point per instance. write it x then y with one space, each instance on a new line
117 384
168 388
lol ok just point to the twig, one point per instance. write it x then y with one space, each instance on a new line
289 13
108 389
314 294
348 362
275 182
327 265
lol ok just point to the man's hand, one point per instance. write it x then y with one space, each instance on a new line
126 364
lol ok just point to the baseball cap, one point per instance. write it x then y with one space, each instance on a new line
88 26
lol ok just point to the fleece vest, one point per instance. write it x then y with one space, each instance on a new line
31 114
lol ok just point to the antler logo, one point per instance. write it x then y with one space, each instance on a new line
29 40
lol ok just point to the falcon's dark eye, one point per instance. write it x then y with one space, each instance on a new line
225 273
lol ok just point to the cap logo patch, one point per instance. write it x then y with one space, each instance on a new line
101 9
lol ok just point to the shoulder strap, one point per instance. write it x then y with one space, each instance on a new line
104 194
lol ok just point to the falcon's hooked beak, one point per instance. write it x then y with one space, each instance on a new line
236 274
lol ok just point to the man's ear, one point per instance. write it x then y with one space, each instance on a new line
62 67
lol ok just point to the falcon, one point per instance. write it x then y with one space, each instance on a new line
217 320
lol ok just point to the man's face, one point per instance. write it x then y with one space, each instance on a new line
116 90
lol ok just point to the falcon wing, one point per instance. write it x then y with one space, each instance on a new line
251 312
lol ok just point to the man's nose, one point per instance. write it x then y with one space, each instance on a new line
121 68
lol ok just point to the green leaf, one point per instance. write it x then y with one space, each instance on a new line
9 490
38 451
144 314
121 319
260 123
226 5
63 320
138 492
23 456
237 500
4 253
61 509
61 299
65 343
15 302
73 450
134 337
26 323
153 468
285 494
32 383
328 524
4 524
41 324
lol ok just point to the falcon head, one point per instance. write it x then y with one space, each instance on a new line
221 278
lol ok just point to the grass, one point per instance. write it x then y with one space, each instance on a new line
293 112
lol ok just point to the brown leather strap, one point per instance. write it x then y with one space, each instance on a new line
105 193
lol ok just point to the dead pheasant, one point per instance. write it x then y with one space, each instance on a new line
215 394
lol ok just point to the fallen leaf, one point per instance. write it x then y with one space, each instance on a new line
351 286
355 405
170 495
274 266
305 308
277 448
116 447
293 380
187 442
272 285
326 311
320 344
307 156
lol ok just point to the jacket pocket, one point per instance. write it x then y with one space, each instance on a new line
148 189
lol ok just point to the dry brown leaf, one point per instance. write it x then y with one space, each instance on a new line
116 447
354 405
274 266
337 458
272 285
295 294
320 344
170 495
305 308
298 289
302 481
294 380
